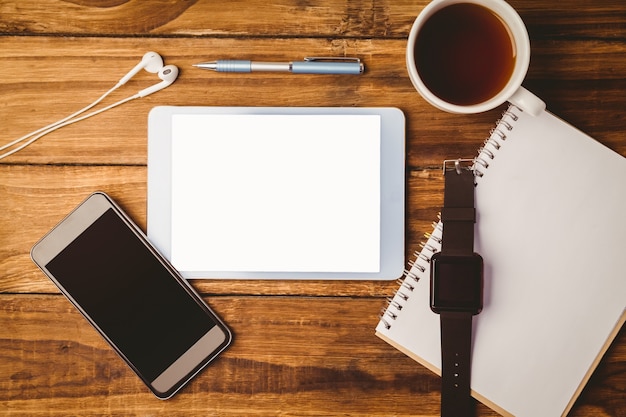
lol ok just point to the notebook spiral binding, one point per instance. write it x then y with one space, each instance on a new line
419 267
493 143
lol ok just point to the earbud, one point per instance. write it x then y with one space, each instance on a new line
151 62
168 74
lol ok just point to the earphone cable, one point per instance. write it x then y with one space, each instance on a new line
63 122
57 123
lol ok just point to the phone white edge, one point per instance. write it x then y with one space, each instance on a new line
187 365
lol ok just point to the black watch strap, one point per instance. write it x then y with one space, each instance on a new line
458 216
456 347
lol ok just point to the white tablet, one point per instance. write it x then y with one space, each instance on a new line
267 192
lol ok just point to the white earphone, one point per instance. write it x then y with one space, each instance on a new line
151 62
167 74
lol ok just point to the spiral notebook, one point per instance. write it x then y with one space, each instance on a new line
551 228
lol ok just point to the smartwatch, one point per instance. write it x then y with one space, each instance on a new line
456 290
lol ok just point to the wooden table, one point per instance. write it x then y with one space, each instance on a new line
301 348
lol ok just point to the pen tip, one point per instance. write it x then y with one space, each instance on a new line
206 65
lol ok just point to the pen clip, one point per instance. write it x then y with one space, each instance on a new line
332 59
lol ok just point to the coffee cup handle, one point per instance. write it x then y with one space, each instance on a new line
527 101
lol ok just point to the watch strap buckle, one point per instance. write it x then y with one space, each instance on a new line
456 165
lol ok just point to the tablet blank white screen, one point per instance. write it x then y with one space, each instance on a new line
277 193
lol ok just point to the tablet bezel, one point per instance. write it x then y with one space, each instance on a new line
392 193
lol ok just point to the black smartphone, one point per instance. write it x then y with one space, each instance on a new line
104 264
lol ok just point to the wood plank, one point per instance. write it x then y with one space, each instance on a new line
318 360
285 18
29 196
284 358
43 79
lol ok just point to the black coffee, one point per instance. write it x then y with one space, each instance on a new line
465 54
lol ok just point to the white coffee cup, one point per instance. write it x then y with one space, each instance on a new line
512 91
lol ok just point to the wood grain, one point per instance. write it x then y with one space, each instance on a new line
321 359
283 18
301 347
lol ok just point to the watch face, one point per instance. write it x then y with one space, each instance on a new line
456 283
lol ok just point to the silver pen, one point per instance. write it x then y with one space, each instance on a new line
314 65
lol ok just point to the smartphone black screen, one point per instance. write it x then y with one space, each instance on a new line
130 295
